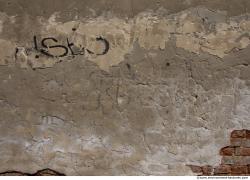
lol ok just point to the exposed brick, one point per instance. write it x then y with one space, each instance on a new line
222 169
227 174
238 134
248 134
242 151
227 151
207 170
237 160
248 169
227 160
242 160
245 142
235 174
196 169
236 141
237 169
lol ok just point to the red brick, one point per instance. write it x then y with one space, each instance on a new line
236 141
227 174
242 151
237 160
248 134
237 169
222 169
241 160
235 174
238 134
227 151
207 170
196 169
245 143
227 160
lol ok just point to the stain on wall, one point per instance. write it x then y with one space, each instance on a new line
121 87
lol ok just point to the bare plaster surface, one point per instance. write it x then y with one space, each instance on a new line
121 87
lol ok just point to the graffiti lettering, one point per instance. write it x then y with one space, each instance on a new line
45 47
106 44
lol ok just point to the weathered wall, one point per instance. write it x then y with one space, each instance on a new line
118 87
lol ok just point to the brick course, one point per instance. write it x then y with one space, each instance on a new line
227 151
242 151
237 169
222 169
235 159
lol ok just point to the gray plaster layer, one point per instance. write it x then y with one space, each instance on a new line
174 83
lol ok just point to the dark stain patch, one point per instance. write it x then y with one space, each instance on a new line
128 66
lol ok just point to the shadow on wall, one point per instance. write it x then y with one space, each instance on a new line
235 157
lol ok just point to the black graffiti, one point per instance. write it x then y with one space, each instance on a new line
106 44
45 46
66 49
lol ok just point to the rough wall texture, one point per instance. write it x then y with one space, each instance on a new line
118 87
